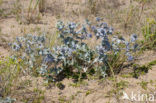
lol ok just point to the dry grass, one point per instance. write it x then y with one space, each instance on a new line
126 16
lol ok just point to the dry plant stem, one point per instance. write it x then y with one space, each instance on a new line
41 6
112 72
113 75
142 9
80 76
114 83
35 6
29 8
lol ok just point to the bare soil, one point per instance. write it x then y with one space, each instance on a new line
90 91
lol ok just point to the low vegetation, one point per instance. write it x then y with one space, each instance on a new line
80 51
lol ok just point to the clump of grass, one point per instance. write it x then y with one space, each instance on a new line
92 6
152 63
63 99
144 84
41 6
9 73
1 1
78 84
60 85
17 10
141 70
117 88
34 96
149 33
3 14
122 84
143 4
34 16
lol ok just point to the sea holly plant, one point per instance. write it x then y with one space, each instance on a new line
73 56
107 54
36 56
7 100
113 50
30 49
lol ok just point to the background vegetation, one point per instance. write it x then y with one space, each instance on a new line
67 51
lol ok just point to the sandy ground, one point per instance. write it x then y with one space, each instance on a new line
91 91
